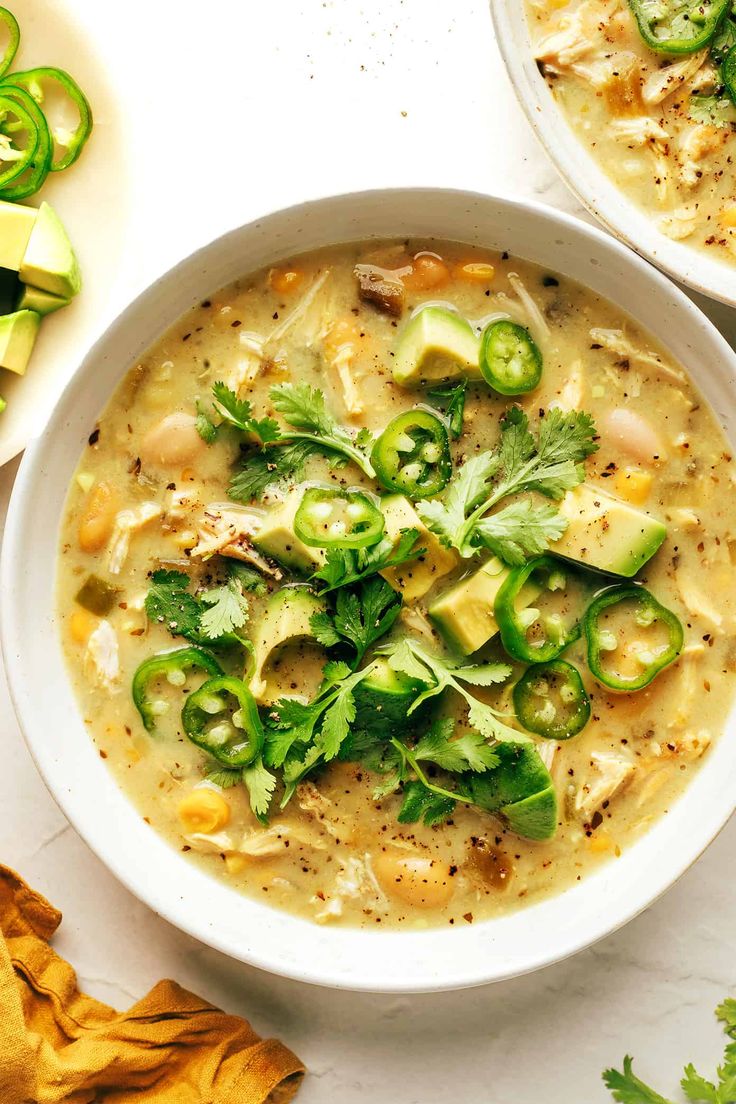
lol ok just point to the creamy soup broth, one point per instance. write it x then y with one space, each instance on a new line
335 854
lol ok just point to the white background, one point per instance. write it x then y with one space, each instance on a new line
228 109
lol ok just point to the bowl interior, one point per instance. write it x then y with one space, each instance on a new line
583 173
48 713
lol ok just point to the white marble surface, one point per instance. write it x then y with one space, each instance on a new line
277 100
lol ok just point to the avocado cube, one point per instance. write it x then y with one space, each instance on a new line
464 614
435 345
17 338
415 578
49 262
42 302
607 534
287 616
276 537
16 226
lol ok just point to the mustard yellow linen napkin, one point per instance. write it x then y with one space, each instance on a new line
58 1045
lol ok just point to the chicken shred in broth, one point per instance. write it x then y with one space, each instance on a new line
151 495
661 125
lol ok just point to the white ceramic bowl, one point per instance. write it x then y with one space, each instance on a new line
583 173
396 961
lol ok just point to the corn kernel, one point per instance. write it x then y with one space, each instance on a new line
284 280
98 517
728 216
86 481
427 271
203 810
82 624
235 863
185 539
633 485
476 272
600 842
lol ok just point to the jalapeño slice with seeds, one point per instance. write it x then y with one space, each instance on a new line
331 518
412 455
678 26
510 361
234 738
550 700
631 637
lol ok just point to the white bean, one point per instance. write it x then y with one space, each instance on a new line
173 440
414 879
634 435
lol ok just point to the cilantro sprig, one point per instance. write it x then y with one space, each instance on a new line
280 454
362 615
345 566
452 401
213 616
549 464
627 1088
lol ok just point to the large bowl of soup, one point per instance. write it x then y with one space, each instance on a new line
380 628
638 121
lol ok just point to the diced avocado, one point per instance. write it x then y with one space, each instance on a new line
607 534
17 338
520 790
276 537
16 226
436 345
287 617
42 302
384 696
464 613
49 262
415 578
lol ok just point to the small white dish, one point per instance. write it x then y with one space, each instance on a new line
247 929
583 173
92 198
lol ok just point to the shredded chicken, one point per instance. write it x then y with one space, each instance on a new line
577 35
414 619
180 503
696 602
318 806
260 844
128 522
570 396
355 879
618 343
250 364
641 131
670 78
680 224
101 657
227 530
547 751
536 319
611 773
302 312
342 362
697 142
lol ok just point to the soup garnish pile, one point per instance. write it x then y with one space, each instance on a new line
396 583
650 88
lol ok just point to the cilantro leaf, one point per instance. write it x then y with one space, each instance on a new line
520 530
263 469
468 489
411 658
362 615
221 776
304 408
239 413
337 721
422 803
452 400
227 609
248 577
205 428
468 751
628 1089
550 464
716 110
260 784
345 566
169 602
